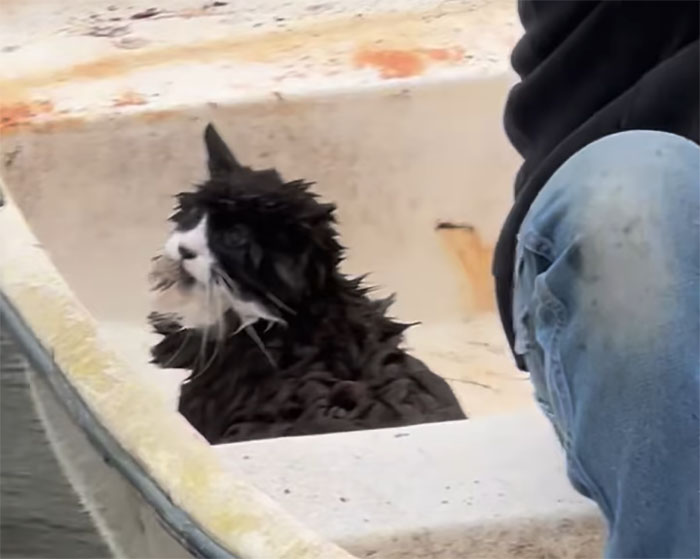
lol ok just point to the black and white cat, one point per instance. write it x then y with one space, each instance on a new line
278 341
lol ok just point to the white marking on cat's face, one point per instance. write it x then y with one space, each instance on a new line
203 303
191 249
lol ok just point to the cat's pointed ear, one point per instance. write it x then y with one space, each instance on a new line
220 159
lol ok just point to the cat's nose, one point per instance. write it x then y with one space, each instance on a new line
186 253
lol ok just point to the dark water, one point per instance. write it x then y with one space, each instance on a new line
40 514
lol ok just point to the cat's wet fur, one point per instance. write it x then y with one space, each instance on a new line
285 344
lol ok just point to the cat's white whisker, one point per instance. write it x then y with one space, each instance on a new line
203 342
282 305
217 321
221 312
248 311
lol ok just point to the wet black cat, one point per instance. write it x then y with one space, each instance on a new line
286 344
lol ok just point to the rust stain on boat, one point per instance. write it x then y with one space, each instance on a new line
14 115
472 258
391 63
452 54
404 63
64 121
129 98
323 39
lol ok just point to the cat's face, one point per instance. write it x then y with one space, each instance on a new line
246 242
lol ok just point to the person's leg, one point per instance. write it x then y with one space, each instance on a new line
607 317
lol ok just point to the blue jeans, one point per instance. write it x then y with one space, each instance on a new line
606 311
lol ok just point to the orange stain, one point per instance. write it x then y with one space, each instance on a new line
266 47
404 63
16 114
258 47
129 98
472 259
454 54
391 63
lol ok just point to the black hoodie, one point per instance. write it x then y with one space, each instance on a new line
589 69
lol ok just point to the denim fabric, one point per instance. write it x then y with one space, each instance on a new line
606 312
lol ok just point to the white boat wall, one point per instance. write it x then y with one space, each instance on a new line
394 111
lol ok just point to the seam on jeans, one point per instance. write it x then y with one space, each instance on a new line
597 492
525 343
522 342
537 244
557 384
561 315
523 339
529 241
534 242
